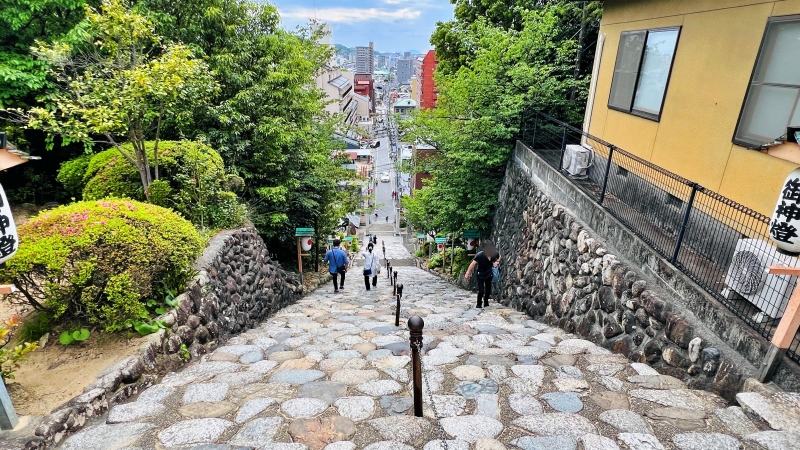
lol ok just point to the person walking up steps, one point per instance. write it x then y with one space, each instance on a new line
486 260
371 266
337 264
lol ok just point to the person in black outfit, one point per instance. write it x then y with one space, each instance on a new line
485 260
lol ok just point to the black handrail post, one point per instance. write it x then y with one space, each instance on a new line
389 269
605 177
563 147
684 222
397 313
415 325
395 282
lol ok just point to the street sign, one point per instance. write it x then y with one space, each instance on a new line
441 240
349 239
303 232
472 233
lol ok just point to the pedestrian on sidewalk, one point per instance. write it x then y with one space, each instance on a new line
486 260
371 266
337 264
387 219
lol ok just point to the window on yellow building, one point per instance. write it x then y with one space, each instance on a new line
772 102
641 72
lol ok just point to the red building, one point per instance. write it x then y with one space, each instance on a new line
428 91
364 86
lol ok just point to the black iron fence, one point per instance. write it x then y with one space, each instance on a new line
721 245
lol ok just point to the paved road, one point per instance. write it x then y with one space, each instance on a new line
332 372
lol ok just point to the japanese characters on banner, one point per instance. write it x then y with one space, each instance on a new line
784 227
9 240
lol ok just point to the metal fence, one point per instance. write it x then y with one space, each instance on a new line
721 245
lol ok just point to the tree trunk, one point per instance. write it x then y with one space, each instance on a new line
578 55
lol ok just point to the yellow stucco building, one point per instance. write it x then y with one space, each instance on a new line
702 88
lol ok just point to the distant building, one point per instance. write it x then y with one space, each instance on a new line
365 59
407 55
405 70
404 106
380 61
364 85
428 93
339 88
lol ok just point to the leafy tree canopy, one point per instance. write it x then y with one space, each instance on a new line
482 99
22 23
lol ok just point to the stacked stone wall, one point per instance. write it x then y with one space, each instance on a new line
558 271
237 286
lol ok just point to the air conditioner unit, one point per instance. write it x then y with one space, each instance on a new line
577 159
748 276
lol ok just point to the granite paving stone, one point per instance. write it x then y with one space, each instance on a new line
557 424
258 432
471 428
130 412
205 392
253 408
597 442
706 441
296 376
625 421
636 441
193 431
356 408
546 443
106 437
303 408
525 405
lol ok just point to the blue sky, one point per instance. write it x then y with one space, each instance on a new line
393 25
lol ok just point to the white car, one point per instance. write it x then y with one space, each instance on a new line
385 177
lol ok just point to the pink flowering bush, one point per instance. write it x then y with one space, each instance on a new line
100 261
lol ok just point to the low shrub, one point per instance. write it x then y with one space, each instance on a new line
100 261
192 181
435 261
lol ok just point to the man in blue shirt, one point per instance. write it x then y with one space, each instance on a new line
337 264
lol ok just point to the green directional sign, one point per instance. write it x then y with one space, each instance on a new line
472 234
304 232
441 240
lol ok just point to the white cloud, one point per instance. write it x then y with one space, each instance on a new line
350 15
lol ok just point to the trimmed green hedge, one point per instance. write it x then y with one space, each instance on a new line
192 181
100 261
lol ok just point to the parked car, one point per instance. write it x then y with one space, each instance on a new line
385 177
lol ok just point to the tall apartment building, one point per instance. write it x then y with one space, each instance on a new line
405 70
380 61
427 89
365 59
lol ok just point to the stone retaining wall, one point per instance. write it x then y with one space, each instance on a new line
559 271
237 287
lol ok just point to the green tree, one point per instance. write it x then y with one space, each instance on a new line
478 114
268 125
22 24
114 87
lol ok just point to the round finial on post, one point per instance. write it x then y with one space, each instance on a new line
395 275
400 289
415 323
